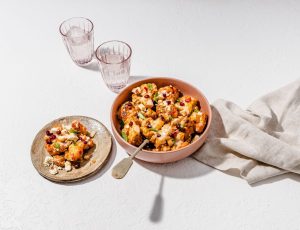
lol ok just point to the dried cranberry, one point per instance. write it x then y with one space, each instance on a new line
48 133
48 142
164 95
149 126
158 135
168 102
58 132
181 103
130 123
146 96
146 89
52 137
174 134
85 142
188 99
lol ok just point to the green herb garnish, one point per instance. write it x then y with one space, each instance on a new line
155 97
73 131
153 129
56 145
121 123
196 110
124 136
141 116
150 86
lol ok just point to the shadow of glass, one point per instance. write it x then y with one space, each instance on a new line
93 66
158 204
133 79
102 171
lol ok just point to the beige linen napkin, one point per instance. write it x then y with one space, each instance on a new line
260 142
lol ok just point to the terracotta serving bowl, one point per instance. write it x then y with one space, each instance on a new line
167 156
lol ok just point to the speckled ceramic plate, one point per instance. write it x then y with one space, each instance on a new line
101 151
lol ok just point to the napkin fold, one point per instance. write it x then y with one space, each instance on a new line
257 143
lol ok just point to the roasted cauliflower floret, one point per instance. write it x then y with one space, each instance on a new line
167 93
126 111
179 145
157 124
132 133
199 120
145 89
59 160
147 129
56 147
75 152
167 110
146 101
163 135
186 105
51 150
77 126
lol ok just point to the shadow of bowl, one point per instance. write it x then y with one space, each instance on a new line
185 168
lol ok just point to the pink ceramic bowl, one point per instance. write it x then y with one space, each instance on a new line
168 156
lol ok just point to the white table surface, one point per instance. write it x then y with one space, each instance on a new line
236 50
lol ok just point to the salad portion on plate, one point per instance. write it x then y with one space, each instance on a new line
68 146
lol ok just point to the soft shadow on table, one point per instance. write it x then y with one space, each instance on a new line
184 169
136 78
93 66
102 171
158 204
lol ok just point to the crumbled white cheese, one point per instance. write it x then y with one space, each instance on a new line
149 103
141 107
62 138
54 130
53 170
48 161
68 166
136 90
64 132
71 137
67 127
136 128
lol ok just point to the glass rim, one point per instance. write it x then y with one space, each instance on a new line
65 34
109 63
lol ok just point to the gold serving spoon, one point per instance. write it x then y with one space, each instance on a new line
120 169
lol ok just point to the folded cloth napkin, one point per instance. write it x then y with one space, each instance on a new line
260 142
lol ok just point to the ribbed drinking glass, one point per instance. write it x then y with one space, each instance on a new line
114 62
78 36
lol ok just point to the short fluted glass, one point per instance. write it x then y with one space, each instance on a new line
78 36
114 62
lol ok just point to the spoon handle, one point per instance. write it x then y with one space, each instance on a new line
146 141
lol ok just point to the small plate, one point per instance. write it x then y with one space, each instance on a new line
101 151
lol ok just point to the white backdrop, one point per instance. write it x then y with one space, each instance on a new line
236 50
